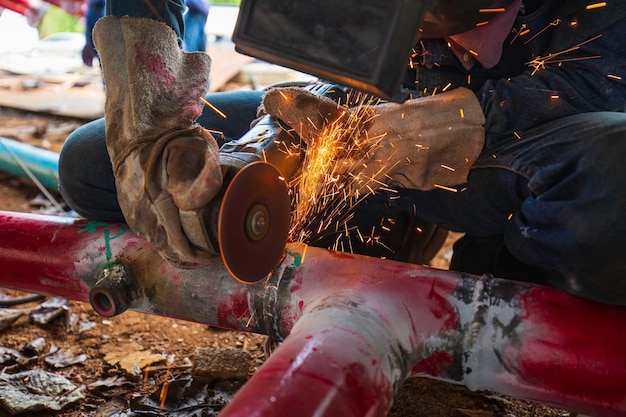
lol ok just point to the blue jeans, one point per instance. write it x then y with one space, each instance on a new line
555 196
195 38
168 11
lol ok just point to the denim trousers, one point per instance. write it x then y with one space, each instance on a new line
169 12
195 38
555 195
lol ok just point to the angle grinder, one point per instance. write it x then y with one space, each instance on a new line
249 219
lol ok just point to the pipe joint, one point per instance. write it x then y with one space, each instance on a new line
276 297
114 291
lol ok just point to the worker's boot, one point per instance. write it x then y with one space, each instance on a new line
166 167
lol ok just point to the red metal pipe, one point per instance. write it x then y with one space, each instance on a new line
18 6
66 258
358 332
72 7
34 10
355 328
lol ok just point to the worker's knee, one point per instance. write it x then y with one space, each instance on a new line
606 285
571 222
86 178
599 231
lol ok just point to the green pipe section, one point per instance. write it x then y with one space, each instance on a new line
27 161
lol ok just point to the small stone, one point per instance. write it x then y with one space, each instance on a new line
221 363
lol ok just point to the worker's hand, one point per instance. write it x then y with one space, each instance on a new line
419 144
166 167
88 55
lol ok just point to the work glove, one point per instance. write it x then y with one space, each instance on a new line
166 167
421 144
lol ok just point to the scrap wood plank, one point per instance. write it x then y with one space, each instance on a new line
83 103
87 102
225 64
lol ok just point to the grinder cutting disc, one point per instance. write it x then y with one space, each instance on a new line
253 222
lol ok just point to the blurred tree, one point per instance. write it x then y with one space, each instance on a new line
57 20
226 2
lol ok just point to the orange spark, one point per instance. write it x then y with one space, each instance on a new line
250 319
212 107
551 24
519 32
326 191
443 187
596 5
540 63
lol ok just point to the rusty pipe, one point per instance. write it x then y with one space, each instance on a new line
22 7
354 328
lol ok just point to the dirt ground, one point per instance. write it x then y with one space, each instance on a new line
167 352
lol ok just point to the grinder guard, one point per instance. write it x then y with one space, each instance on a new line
363 44
249 221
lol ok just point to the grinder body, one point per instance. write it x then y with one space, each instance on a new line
272 142
249 220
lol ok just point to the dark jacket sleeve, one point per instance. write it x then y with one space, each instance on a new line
583 70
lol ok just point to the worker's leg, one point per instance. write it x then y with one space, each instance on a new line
169 12
555 198
86 177
195 37
383 225
85 174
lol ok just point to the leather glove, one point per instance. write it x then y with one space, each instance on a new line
420 144
166 167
